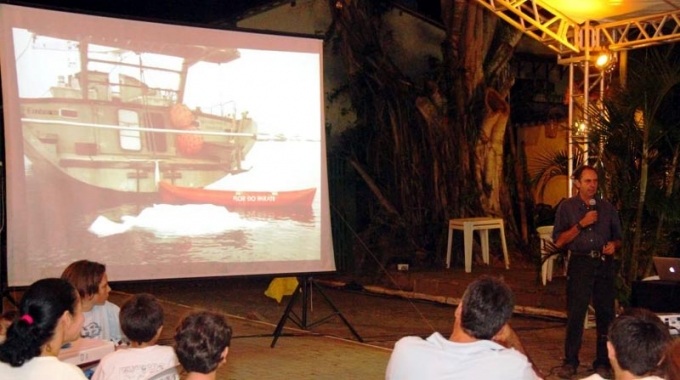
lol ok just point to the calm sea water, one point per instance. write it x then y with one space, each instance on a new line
166 241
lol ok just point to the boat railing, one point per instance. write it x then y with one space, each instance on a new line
221 109
139 129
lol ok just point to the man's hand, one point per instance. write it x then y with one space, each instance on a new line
589 218
507 337
609 248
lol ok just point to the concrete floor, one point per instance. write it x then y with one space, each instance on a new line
329 350
380 311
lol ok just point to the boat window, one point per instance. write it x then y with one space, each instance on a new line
129 139
68 113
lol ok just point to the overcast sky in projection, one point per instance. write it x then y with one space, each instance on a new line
281 97
192 11
197 11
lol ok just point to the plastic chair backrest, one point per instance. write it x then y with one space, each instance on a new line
545 232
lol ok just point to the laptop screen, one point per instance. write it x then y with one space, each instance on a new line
668 268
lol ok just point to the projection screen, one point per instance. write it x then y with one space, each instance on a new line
162 151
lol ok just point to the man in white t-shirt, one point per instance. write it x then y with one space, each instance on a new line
482 345
141 319
636 343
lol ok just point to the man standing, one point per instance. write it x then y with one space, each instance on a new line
590 229
482 345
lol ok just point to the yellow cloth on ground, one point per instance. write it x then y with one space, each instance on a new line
281 286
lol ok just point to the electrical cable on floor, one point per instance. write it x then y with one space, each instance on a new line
382 267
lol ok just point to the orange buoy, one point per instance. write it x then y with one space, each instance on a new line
181 116
189 144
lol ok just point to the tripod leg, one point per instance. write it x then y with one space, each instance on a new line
305 286
337 311
285 316
306 293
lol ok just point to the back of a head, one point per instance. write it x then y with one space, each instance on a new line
40 309
200 341
140 318
672 361
639 338
486 306
85 276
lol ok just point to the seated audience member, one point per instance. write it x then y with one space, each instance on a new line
101 316
6 320
141 319
202 344
482 345
672 360
50 316
636 344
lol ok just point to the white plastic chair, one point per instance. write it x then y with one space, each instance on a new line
545 234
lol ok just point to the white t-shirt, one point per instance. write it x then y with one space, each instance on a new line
438 358
41 368
135 363
102 323
598 377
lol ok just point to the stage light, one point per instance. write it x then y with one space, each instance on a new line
602 60
605 60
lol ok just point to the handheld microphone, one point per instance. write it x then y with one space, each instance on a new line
592 205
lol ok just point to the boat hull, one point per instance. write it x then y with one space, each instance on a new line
259 199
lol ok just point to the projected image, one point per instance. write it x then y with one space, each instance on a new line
164 159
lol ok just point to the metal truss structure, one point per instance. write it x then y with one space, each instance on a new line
577 45
551 27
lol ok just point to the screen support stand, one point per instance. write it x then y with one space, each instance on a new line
4 288
304 288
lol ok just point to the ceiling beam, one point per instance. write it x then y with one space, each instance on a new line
640 31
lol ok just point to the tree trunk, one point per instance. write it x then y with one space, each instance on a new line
637 235
434 153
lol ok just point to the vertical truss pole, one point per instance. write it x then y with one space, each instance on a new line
570 131
587 41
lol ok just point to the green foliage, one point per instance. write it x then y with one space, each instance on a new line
636 135
635 143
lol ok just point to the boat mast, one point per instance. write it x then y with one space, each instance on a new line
183 80
84 77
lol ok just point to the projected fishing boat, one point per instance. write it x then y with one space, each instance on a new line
291 198
118 118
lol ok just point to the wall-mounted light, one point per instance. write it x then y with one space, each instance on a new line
580 128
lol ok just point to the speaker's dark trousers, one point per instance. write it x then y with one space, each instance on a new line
589 278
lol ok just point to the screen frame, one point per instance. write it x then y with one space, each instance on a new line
326 264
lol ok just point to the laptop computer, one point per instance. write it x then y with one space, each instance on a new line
668 268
